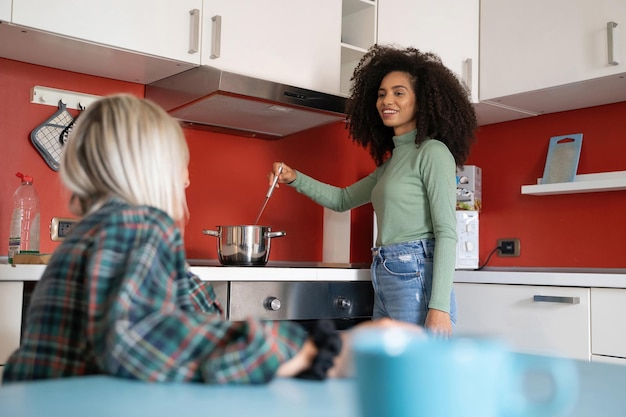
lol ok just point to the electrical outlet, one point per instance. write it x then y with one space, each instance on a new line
60 227
508 247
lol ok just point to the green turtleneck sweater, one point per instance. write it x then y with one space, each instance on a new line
414 196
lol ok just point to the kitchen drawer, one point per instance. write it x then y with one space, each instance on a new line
608 334
533 319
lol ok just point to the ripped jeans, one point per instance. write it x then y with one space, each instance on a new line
402 276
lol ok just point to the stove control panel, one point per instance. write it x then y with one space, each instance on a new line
300 300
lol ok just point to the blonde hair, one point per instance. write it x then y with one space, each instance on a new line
129 148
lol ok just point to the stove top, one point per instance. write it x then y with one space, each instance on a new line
286 264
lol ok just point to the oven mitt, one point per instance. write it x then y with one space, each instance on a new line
46 137
66 132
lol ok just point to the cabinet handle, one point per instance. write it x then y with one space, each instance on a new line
468 74
556 299
609 41
194 31
216 40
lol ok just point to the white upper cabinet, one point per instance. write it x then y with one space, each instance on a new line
449 28
5 10
162 28
140 41
291 42
547 56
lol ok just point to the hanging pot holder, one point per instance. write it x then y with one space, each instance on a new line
47 136
66 132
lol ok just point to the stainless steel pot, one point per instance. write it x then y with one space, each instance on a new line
247 245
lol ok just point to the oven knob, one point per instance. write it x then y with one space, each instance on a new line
344 303
272 303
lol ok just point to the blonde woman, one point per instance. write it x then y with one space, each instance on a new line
117 296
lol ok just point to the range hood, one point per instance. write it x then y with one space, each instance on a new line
212 99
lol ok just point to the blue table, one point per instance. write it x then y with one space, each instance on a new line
602 393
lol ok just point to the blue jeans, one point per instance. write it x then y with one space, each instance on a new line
402 276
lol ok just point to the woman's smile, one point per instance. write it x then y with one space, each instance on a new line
396 102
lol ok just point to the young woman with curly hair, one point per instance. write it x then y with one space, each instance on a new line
418 123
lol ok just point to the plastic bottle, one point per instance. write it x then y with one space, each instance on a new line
24 234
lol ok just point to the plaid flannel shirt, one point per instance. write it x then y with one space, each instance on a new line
117 298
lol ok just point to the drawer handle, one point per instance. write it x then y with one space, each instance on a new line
556 299
609 40
216 41
468 74
194 31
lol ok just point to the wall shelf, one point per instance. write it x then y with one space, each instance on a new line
358 33
586 183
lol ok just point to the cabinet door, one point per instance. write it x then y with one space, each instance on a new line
449 28
5 10
156 27
290 42
528 45
608 306
533 319
10 318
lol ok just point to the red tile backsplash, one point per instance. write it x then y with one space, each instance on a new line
228 180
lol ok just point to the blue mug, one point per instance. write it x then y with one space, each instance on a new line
405 374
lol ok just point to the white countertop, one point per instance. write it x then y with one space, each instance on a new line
607 278
560 277
282 273
307 272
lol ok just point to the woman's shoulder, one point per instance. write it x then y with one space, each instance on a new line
117 226
119 214
433 148
434 145
435 155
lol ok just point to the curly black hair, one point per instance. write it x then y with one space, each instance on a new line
443 108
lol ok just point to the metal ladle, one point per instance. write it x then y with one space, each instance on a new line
269 193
